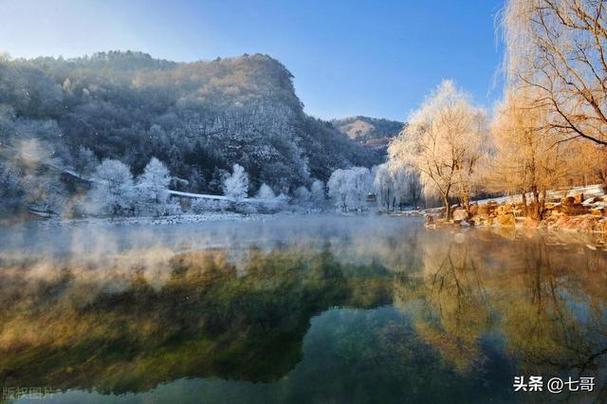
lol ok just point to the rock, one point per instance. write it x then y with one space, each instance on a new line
568 201
459 215
506 220
483 211
578 198
551 208
504 210
589 201
530 223
575 209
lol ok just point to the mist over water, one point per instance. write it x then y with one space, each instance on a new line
296 309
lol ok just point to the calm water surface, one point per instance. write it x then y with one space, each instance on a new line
311 309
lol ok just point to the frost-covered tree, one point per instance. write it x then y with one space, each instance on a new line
302 196
85 161
338 189
384 186
198 118
395 185
349 188
408 189
317 191
270 201
113 190
265 192
556 49
151 193
11 189
236 185
203 205
46 192
526 161
592 163
443 142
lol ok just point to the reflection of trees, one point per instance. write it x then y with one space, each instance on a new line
455 310
550 312
69 328
547 302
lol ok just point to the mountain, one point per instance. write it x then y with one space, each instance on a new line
373 133
198 118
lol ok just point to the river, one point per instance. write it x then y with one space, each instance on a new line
297 309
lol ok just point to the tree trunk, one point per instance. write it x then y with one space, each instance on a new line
537 211
448 213
542 205
466 204
525 207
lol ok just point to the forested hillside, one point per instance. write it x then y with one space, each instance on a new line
198 118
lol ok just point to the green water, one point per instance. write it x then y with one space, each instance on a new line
296 309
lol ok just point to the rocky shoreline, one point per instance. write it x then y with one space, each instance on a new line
574 213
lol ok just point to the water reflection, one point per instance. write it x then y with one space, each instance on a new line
544 307
340 310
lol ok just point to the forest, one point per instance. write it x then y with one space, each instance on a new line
94 116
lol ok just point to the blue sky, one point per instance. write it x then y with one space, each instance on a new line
377 58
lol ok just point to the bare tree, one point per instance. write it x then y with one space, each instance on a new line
591 163
557 47
526 161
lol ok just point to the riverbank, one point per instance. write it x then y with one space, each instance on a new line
565 211
161 220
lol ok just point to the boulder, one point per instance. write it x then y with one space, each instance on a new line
483 210
568 201
506 220
460 214
504 209
590 201
575 209
530 223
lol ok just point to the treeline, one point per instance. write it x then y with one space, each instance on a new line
198 118
548 132
461 153
113 190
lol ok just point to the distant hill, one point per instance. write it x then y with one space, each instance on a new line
199 118
373 133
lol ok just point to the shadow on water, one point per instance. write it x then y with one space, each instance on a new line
340 310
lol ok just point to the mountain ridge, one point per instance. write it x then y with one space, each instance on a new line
197 117
372 133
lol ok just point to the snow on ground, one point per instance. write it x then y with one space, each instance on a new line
589 191
164 220
202 196
220 197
